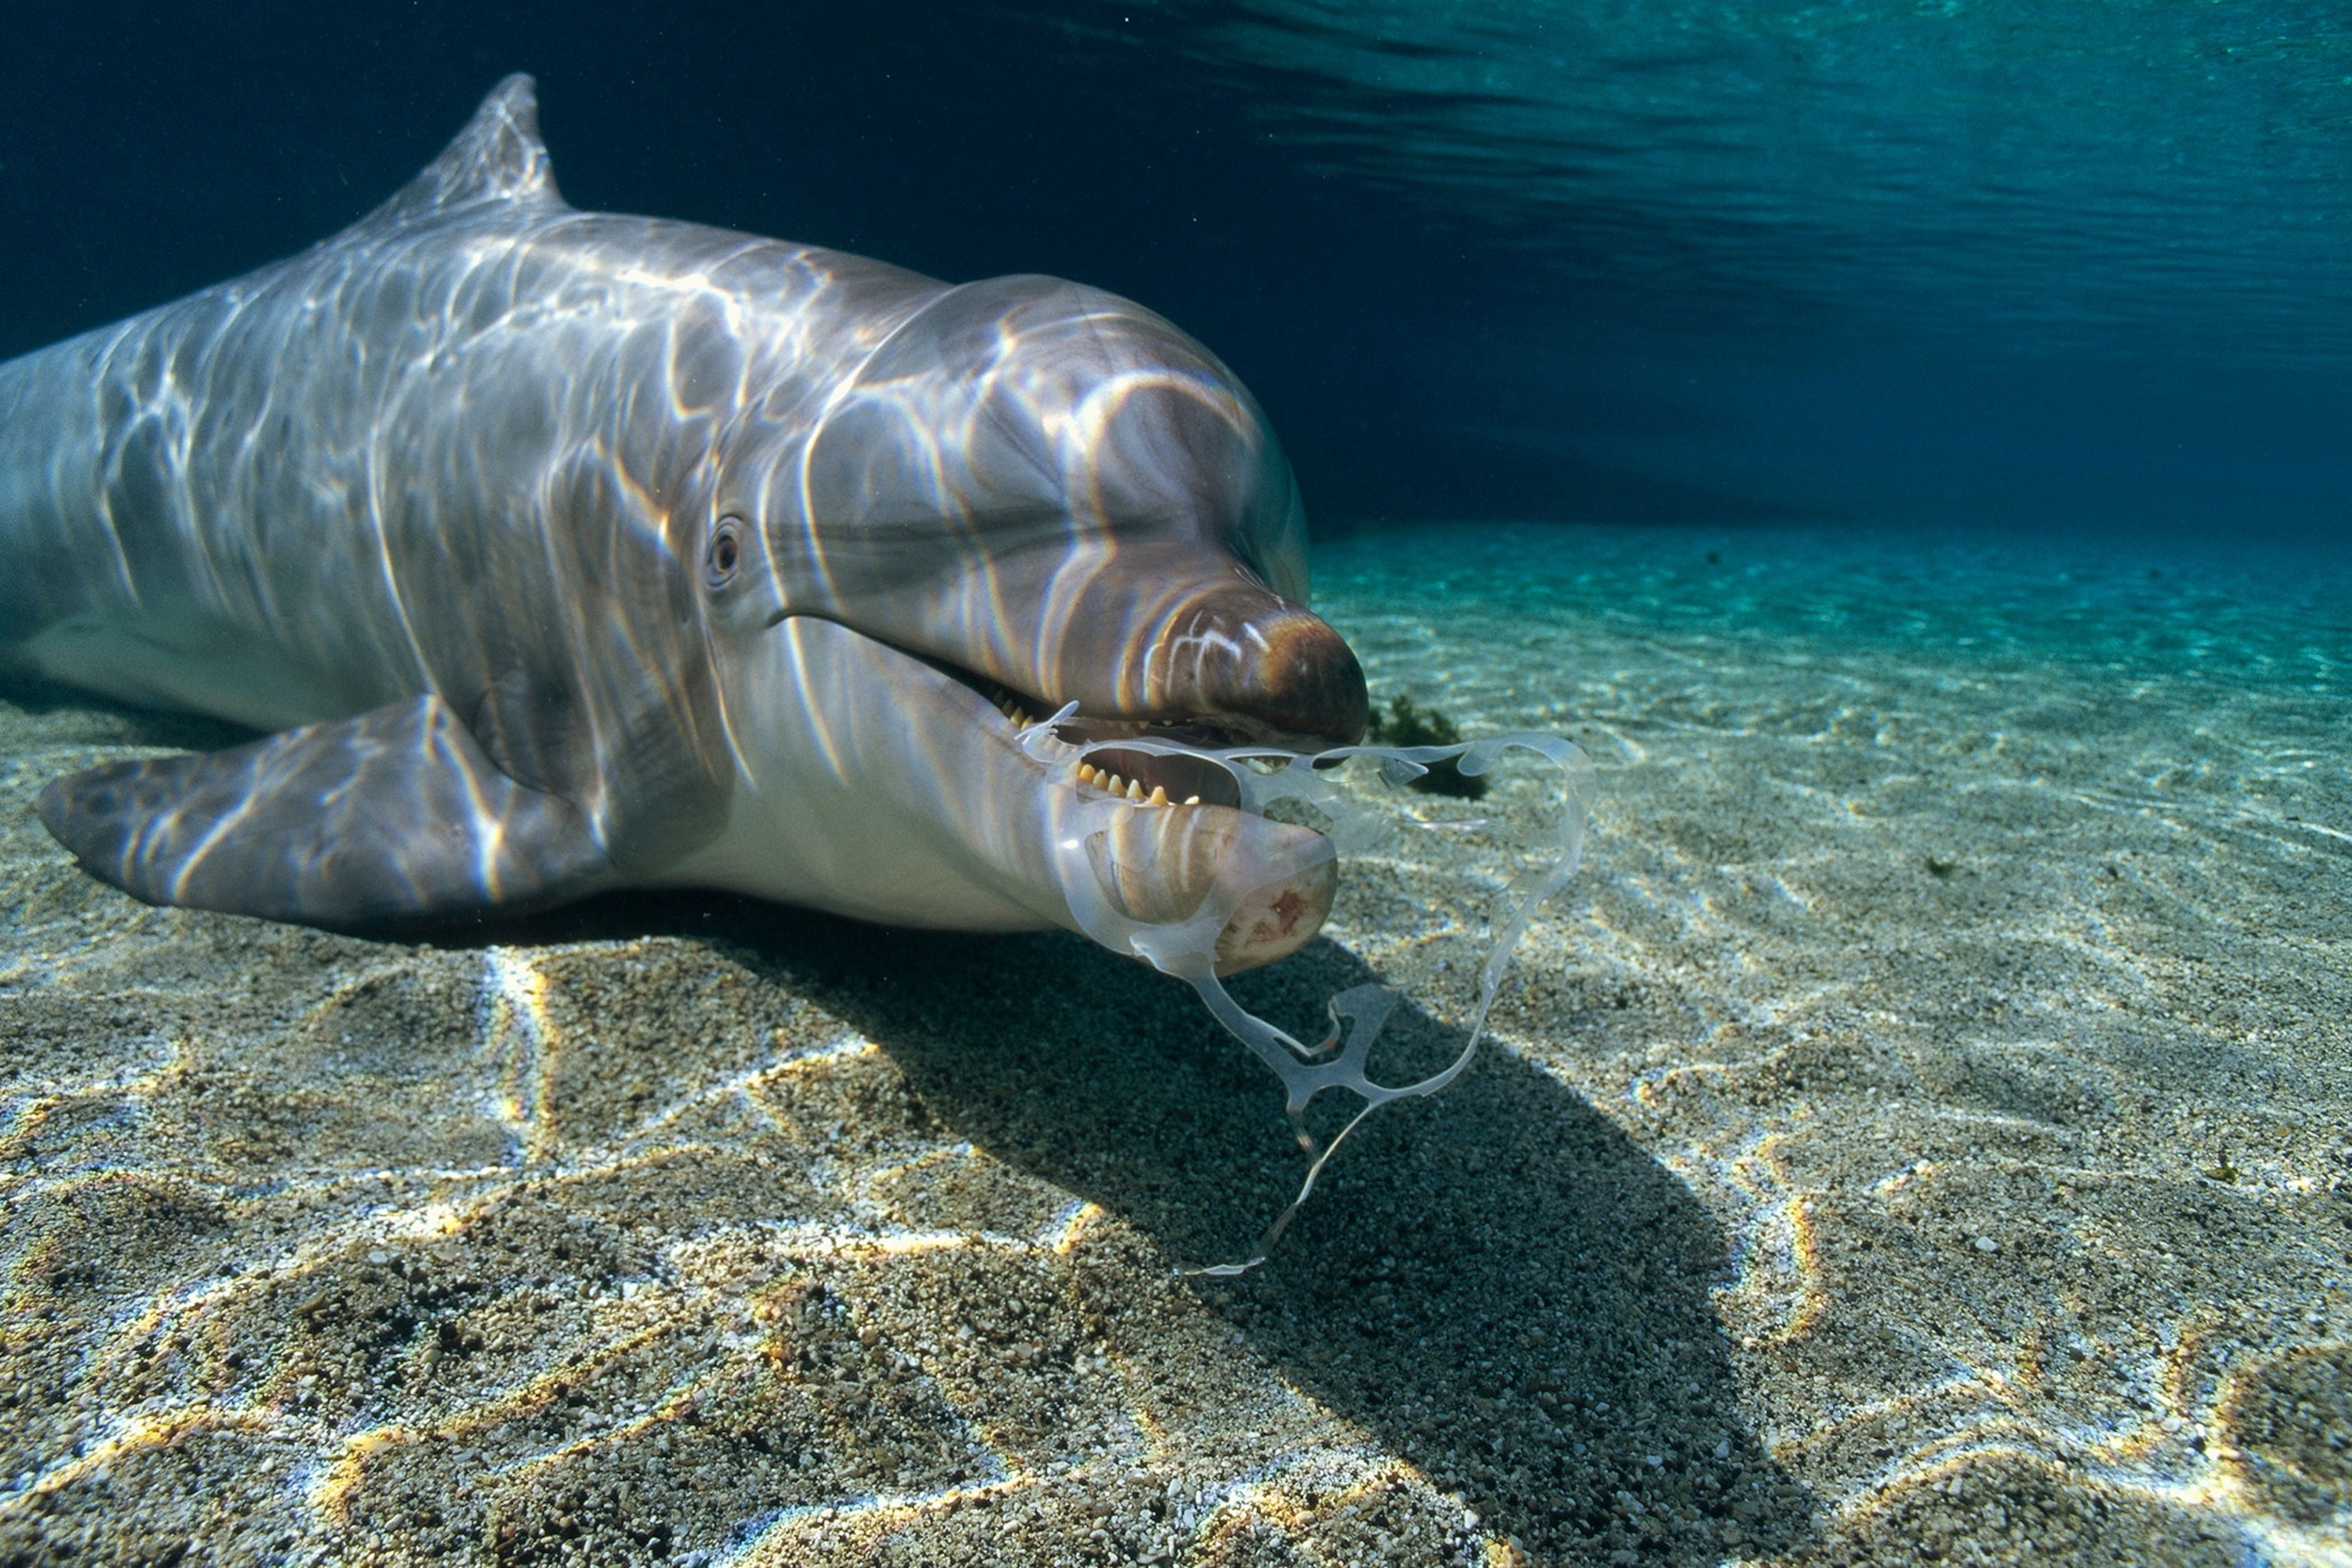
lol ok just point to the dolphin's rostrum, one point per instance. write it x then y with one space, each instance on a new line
567 551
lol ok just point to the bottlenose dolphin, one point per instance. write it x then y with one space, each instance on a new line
568 551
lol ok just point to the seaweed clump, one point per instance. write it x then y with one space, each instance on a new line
1407 723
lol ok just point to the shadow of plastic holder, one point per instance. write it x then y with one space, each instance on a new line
1265 778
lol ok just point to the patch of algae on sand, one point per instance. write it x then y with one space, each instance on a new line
1815 1207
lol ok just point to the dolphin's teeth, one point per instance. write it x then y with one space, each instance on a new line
1114 787
1134 789
1086 773
1191 800
1159 796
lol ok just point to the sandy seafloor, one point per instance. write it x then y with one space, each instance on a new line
1920 1133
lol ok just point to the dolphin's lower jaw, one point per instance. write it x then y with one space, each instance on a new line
873 784
1182 885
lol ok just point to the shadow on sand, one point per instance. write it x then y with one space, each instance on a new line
1495 1282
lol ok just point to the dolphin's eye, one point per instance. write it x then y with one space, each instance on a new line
725 552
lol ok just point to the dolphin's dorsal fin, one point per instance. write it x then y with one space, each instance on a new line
499 157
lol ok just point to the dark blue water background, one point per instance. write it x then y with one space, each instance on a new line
1997 266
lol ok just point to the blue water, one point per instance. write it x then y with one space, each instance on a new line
2127 176
2006 265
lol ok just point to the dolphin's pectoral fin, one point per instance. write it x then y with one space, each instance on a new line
396 815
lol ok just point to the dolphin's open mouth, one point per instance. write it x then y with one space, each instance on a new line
1144 778
1160 866
970 811
1105 767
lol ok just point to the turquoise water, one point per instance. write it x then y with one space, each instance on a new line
1965 924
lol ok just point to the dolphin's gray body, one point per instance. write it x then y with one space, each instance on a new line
569 551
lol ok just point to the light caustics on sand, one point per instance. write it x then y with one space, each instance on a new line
1274 784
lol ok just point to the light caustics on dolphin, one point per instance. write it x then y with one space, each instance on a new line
566 552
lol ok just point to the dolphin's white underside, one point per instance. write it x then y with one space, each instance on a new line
875 786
